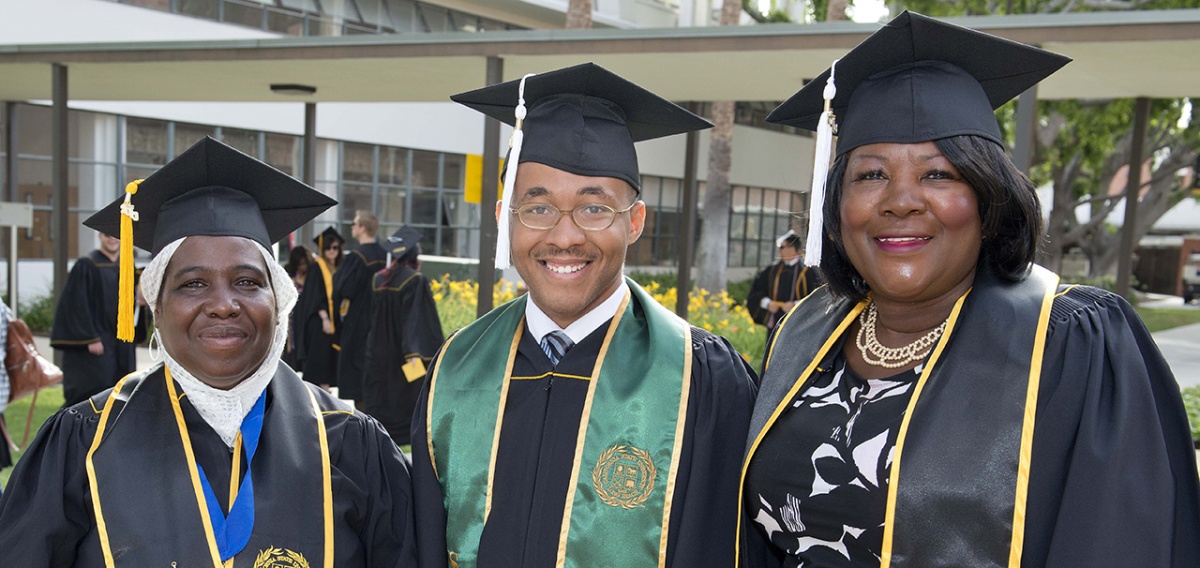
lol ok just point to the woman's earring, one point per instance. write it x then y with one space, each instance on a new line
155 347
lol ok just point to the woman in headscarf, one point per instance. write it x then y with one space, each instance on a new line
221 456
943 401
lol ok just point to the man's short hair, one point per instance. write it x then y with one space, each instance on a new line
367 220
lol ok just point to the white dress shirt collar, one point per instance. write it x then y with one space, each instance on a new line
539 324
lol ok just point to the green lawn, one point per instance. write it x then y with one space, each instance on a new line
48 402
1158 319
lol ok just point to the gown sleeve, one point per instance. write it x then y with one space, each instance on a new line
74 317
346 283
704 515
1113 480
44 514
758 291
387 532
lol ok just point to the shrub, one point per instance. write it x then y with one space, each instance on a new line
1191 401
38 313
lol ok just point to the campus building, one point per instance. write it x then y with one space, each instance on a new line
410 163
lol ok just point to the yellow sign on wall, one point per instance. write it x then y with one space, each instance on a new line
473 184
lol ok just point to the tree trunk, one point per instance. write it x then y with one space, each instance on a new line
579 14
713 253
836 12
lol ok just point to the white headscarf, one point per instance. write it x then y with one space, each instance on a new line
224 410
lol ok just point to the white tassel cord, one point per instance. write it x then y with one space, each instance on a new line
503 250
826 125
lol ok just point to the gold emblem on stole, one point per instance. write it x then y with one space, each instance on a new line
280 558
624 476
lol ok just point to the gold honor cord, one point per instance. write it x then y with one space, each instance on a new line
680 421
327 277
326 478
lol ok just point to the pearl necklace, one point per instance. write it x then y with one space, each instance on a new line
875 353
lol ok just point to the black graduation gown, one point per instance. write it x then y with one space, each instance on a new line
404 323
47 517
781 283
1113 479
313 348
86 313
537 448
352 299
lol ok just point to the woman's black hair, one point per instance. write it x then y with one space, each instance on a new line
298 255
1009 213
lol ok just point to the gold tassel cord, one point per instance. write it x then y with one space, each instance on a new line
125 290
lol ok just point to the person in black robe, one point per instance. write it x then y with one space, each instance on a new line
778 287
297 268
85 326
315 355
944 401
220 455
581 423
352 299
405 335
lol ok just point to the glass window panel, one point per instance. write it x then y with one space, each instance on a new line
164 5
403 13
248 14
33 136
373 12
188 134
339 9
207 9
244 140
145 141
453 168
357 162
435 19
354 197
425 167
391 204
301 5
393 165
283 153
425 207
285 23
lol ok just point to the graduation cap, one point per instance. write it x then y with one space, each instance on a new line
210 189
328 235
917 79
404 239
582 119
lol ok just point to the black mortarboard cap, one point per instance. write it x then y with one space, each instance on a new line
584 119
404 239
918 79
329 234
213 189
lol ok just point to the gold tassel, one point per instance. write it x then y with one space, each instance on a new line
125 292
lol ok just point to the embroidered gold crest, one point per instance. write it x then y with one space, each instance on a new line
279 558
624 476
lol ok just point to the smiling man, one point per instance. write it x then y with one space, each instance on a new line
581 424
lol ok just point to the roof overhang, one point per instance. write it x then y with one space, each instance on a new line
1127 54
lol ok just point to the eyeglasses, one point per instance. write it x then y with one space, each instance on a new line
589 217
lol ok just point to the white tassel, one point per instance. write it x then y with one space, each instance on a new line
503 254
826 126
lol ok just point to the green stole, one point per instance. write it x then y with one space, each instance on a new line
960 468
146 494
625 430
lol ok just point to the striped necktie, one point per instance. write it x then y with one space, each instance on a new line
555 344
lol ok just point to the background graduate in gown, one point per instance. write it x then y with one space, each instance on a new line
315 356
583 422
352 299
220 454
405 335
943 401
85 326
